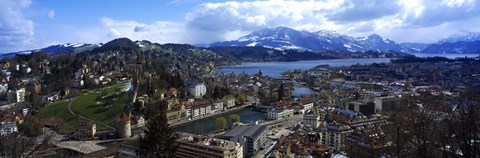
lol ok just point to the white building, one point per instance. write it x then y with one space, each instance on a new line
3 88
307 104
8 128
198 90
334 135
229 101
311 120
217 107
275 114
199 109
15 96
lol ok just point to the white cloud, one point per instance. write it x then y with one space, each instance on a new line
216 21
16 32
402 21
51 14
224 21
160 31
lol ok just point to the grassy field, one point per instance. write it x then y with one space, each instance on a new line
59 111
88 106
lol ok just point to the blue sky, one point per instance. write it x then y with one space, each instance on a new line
31 24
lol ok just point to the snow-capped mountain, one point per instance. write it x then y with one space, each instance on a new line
454 48
68 48
461 37
416 46
288 38
58 49
462 43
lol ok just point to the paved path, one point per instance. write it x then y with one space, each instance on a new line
73 113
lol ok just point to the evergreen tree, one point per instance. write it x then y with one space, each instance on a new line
159 140
281 92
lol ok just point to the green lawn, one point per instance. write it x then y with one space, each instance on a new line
59 111
86 105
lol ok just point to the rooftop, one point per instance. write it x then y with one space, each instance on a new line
207 141
248 131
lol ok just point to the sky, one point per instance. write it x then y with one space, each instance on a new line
33 24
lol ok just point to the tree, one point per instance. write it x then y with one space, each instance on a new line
221 123
235 118
464 125
27 141
281 92
241 98
159 140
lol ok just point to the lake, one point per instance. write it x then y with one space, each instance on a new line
274 69
451 56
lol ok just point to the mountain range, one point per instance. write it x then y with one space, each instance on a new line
288 38
58 49
284 38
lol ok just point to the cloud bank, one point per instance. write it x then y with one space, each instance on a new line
428 20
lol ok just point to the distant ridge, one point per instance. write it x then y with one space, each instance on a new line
288 38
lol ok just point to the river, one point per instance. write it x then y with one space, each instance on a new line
208 125
272 69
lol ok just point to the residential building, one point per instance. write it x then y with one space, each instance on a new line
193 146
199 109
252 138
228 101
3 88
387 103
85 130
312 120
345 116
366 108
369 142
334 135
307 103
15 96
198 90
8 128
279 113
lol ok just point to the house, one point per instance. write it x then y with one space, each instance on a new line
217 106
85 130
198 90
15 96
199 109
228 101
78 83
311 120
8 128
3 88
334 135
307 103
